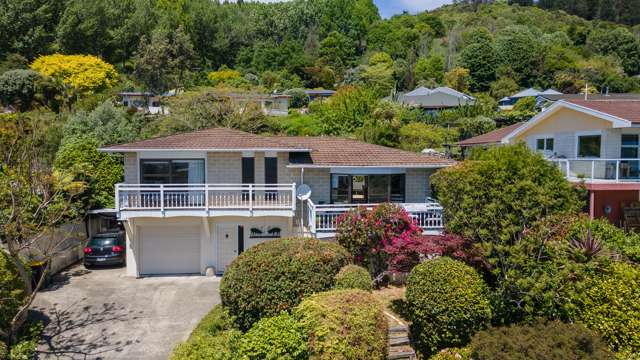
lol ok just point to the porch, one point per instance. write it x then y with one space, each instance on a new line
321 220
599 171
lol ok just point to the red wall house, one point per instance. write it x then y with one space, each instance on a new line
612 196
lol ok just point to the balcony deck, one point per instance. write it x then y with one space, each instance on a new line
600 171
150 200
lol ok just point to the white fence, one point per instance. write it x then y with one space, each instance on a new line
600 170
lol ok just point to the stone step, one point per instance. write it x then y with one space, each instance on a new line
401 340
400 355
398 329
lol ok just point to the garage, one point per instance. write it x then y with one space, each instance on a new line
170 249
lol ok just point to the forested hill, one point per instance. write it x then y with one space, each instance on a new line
495 48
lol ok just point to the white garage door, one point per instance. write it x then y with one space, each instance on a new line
170 249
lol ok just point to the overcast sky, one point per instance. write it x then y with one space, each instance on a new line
391 7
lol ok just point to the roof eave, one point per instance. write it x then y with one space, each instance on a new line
408 166
123 150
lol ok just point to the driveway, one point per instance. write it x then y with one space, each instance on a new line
102 314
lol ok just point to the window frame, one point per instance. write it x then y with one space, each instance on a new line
169 161
588 134
389 193
545 143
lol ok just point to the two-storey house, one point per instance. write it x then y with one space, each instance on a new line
595 142
196 200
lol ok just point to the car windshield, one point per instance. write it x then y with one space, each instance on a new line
103 241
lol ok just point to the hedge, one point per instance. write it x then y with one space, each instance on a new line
354 277
447 302
279 337
276 275
541 341
344 324
12 290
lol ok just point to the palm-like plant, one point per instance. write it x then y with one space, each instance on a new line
585 247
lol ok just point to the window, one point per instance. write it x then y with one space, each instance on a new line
629 147
544 144
589 146
367 188
248 170
270 170
172 171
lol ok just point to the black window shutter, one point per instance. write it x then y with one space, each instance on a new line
248 170
270 170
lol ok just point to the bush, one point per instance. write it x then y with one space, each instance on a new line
354 277
12 290
222 346
418 136
541 341
279 337
216 321
610 304
276 275
4 351
453 354
19 87
344 324
299 98
447 302
24 350
613 237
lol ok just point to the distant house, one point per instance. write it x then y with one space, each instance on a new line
435 99
144 101
489 139
508 102
546 100
319 94
271 104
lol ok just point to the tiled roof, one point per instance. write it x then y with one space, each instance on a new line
324 151
334 151
208 139
625 109
493 137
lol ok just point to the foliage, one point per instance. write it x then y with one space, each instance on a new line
299 98
453 354
378 239
216 321
610 304
500 192
83 73
544 340
223 75
470 127
345 111
276 275
354 277
447 302
626 244
80 159
297 124
12 290
525 104
4 351
19 88
24 350
107 123
458 79
518 48
619 42
345 324
431 68
279 337
481 58
503 87
222 346
418 136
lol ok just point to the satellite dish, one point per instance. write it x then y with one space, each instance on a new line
303 192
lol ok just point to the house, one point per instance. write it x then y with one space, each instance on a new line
194 201
546 100
319 95
270 104
508 102
489 139
143 101
593 142
435 99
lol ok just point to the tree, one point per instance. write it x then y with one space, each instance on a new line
18 88
503 87
470 127
520 49
107 124
458 79
619 42
80 73
163 62
345 111
419 136
500 192
337 51
33 201
431 68
480 57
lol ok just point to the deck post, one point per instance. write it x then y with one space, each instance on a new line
162 198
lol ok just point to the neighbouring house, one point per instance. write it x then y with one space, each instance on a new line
593 142
435 99
489 139
270 104
546 100
196 200
319 95
508 102
143 101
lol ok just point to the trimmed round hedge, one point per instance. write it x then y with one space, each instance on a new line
279 337
354 277
276 275
447 302
542 340
344 324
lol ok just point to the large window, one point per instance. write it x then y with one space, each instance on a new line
589 146
367 188
544 144
172 171
629 169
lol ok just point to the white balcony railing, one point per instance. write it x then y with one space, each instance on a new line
599 170
324 218
205 197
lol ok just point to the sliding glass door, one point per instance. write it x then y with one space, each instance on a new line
172 171
367 189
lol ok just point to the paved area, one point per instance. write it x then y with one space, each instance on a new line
102 314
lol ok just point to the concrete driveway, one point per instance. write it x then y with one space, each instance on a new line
102 314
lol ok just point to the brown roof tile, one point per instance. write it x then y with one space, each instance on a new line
492 137
625 109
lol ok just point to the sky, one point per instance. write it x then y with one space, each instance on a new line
391 7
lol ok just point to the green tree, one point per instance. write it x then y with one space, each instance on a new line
107 124
458 79
337 51
19 88
418 136
480 57
503 87
619 42
498 193
470 127
518 48
431 68
345 111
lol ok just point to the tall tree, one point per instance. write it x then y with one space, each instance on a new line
479 56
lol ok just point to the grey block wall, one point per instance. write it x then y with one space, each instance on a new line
224 168
131 168
417 185
319 180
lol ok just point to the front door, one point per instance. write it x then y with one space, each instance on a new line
227 245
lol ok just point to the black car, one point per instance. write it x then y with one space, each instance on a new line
105 249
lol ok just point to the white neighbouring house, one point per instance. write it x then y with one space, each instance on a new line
196 200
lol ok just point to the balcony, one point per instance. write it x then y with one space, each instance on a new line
150 200
599 171
321 220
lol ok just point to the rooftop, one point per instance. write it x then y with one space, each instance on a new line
493 137
624 109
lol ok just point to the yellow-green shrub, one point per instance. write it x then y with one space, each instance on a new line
82 72
354 277
344 324
278 337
